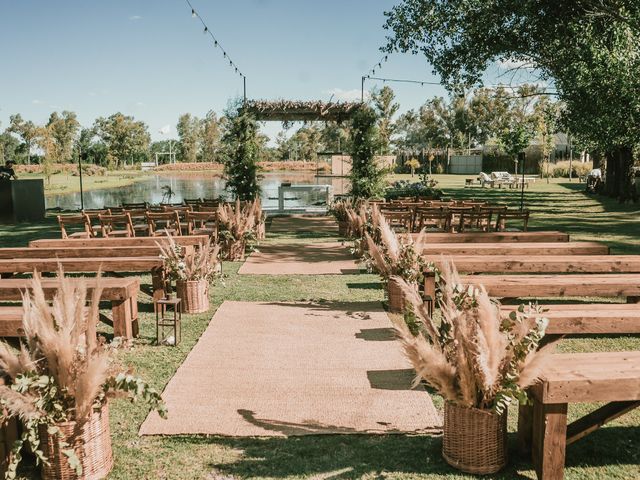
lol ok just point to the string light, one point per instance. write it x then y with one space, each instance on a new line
216 43
378 66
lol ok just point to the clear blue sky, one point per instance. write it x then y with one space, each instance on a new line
150 58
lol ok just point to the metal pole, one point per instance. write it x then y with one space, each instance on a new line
244 88
570 159
524 156
80 173
362 90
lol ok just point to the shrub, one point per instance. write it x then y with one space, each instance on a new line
404 188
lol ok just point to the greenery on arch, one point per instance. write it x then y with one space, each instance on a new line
241 150
367 178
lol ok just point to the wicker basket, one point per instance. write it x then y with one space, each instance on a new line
235 250
194 295
92 444
395 296
343 228
475 441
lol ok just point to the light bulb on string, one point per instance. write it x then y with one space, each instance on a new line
206 30
215 43
193 13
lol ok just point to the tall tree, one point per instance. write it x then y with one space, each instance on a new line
366 176
26 130
593 59
63 129
124 137
386 108
189 129
211 136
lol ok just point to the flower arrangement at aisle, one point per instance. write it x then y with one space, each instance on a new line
392 258
237 227
59 381
193 270
478 360
339 209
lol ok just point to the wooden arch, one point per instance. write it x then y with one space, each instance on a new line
301 111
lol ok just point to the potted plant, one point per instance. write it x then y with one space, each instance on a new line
58 384
478 360
193 271
237 227
339 211
394 258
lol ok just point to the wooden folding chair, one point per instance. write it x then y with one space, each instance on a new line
93 214
475 220
136 206
116 225
398 219
202 223
432 220
193 202
139 220
80 226
509 216
161 224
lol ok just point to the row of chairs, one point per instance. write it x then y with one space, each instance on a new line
456 218
131 223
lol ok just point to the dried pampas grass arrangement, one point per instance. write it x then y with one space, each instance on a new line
238 226
473 356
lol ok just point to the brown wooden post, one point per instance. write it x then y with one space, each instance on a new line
549 439
122 324
525 428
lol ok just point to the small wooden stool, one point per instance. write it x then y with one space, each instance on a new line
174 322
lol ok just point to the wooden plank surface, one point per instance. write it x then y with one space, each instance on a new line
114 264
184 240
11 321
517 248
590 377
578 285
113 288
86 252
599 318
543 263
495 237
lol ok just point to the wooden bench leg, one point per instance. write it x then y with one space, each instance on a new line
525 428
549 440
122 322
430 286
159 282
135 329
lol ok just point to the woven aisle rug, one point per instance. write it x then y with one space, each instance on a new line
304 224
300 259
283 369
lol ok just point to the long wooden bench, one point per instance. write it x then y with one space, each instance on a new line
543 263
517 248
494 237
612 377
589 318
537 286
183 240
75 252
121 292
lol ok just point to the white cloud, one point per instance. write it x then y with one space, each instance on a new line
135 18
36 102
165 130
346 95
139 104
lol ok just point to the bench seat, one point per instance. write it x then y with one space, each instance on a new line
612 377
109 264
589 318
517 248
183 240
84 252
121 292
495 237
543 263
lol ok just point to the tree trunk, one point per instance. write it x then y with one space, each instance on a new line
620 181
611 175
598 161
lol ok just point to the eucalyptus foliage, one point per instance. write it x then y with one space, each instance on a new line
367 178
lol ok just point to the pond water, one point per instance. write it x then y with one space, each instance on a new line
152 189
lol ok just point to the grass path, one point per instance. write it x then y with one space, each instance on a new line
610 453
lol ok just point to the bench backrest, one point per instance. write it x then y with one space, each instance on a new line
80 226
115 242
116 224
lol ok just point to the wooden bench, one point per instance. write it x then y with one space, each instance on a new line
517 248
589 318
82 252
183 240
612 377
493 237
121 292
543 263
537 286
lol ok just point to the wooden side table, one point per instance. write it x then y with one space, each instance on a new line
164 306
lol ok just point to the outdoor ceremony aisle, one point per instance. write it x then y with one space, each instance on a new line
276 368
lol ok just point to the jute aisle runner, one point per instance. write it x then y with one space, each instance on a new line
281 369
328 258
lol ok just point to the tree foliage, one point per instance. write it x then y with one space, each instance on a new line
124 137
241 153
366 176
386 108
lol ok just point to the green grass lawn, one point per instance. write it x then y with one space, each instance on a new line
610 453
